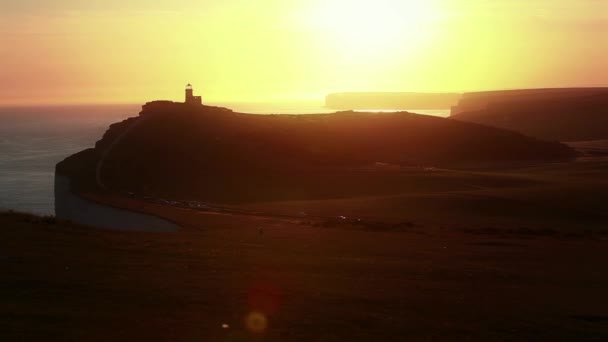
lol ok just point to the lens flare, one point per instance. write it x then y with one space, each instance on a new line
256 322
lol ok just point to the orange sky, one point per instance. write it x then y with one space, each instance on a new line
75 51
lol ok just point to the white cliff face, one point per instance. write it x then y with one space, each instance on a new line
68 206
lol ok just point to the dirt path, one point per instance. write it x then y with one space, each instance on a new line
98 168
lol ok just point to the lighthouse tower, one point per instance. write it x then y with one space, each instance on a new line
190 98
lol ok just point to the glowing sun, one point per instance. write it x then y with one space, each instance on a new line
375 24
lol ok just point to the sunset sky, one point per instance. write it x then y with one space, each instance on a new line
74 51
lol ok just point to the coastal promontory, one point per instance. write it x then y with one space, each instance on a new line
176 150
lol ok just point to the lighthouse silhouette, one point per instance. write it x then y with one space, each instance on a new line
190 98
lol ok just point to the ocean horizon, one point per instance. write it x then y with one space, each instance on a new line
33 139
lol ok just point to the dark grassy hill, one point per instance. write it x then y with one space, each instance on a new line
214 154
63 282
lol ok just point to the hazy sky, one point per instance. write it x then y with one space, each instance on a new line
54 51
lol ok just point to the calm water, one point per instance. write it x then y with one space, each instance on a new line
34 139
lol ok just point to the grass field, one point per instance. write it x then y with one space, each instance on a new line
560 196
64 282
491 255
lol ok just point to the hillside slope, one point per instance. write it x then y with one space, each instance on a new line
211 153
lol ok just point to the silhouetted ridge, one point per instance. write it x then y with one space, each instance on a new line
552 114
391 100
179 151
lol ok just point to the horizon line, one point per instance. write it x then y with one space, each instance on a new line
268 101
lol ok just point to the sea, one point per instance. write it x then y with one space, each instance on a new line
34 139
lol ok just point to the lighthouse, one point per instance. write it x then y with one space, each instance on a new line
190 98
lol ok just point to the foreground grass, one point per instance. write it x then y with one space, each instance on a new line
65 282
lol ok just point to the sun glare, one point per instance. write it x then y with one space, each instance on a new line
363 25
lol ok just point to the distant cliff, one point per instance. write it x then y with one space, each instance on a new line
397 100
551 114
207 153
